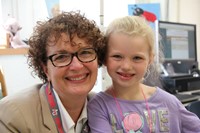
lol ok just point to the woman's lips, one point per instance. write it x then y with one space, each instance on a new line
77 77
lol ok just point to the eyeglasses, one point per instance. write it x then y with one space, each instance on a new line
64 59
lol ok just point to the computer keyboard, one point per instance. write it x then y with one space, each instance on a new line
196 93
187 97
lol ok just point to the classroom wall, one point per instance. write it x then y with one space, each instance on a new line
27 12
189 13
16 73
186 11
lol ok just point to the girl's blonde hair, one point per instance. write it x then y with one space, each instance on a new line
137 26
132 26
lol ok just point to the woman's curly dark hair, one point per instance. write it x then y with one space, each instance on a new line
72 23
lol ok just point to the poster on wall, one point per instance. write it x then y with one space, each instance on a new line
151 12
53 7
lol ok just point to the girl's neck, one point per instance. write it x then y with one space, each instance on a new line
133 93
127 93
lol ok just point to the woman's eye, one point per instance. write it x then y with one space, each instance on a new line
61 57
86 52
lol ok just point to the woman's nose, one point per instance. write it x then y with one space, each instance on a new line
76 64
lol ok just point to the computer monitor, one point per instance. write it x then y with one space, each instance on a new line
179 45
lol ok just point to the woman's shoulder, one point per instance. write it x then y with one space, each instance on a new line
22 109
22 98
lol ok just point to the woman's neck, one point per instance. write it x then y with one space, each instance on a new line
74 107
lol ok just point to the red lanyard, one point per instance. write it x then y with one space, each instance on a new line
54 108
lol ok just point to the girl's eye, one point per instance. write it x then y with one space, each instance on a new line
118 57
137 58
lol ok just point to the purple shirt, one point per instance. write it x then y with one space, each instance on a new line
167 113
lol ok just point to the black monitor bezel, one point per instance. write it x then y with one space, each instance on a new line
181 24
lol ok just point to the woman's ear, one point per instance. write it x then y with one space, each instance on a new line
105 62
45 69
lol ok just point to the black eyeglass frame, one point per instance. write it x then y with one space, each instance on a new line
72 55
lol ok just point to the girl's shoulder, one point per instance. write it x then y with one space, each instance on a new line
164 96
100 96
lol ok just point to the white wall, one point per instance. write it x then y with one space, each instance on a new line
186 11
189 13
17 74
27 12
0 12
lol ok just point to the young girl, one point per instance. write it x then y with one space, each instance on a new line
129 106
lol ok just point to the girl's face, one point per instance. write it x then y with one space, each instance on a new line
75 79
127 59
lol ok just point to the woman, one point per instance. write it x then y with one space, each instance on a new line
64 54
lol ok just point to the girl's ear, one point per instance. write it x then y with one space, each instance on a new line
151 59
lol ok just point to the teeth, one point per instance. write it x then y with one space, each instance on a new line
78 78
125 75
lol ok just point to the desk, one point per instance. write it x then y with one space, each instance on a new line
195 97
181 83
190 92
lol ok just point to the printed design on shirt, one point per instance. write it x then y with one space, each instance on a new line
134 122
114 123
163 121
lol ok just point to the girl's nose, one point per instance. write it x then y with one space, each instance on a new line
127 64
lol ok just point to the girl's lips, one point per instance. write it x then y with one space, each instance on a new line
125 75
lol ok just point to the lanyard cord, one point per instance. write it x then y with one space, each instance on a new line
117 104
148 110
53 106
147 107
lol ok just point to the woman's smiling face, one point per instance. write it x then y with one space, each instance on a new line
77 78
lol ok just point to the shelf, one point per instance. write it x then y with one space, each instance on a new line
12 51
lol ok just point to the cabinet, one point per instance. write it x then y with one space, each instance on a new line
17 74
3 90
